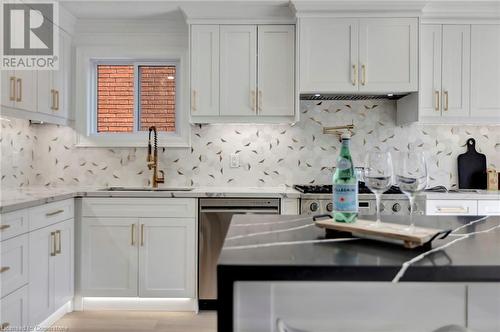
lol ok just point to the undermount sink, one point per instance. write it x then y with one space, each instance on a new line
147 189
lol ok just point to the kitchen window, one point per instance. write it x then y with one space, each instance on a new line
124 95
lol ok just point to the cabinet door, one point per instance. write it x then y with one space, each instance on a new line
456 70
60 79
26 90
388 55
430 70
8 88
485 71
109 256
483 307
45 92
63 264
41 267
276 70
167 257
328 55
238 70
14 310
14 264
205 70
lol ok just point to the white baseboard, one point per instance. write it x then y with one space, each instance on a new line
136 303
58 314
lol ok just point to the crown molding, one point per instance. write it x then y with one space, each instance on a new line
305 8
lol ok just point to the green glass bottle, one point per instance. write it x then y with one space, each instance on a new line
345 185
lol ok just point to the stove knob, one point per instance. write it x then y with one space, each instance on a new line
313 207
329 207
396 207
382 207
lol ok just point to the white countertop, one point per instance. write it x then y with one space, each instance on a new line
15 199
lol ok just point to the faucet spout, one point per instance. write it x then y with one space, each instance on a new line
153 159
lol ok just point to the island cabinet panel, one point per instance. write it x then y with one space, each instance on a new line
485 71
317 306
484 307
14 309
149 253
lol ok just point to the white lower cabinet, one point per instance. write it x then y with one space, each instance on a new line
14 310
134 256
14 264
451 207
483 307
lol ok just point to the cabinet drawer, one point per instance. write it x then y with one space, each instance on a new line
14 310
451 207
14 264
139 207
13 224
48 214
488 208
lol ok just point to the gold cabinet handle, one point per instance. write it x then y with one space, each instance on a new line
436 94
19 89
53 213
193 102
252 100
132 235
4 269
445 96
4 227
53 93
58 242
363 74
259 100
53 243
354 74
4 326
142 235
12 92
57 100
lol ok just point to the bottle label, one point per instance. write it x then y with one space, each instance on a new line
345 198
344 164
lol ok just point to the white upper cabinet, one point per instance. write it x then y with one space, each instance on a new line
388 55
372 55
276 65
444 71
328 55
485 71
238 70
205 70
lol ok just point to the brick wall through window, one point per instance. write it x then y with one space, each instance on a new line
115 98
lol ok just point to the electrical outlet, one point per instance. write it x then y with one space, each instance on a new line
235 160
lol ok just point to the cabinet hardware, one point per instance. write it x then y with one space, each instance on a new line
20 89
58 243
53 213
132 235
142 235
4 269
252 100
363 74
53 106
453 209
57 100
53 243
193 102
436 94
4 227
354 74
445 94
12 92
260 100
4 326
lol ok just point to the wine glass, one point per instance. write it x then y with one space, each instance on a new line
411 178
378 176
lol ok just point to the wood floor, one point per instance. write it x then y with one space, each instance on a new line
138 321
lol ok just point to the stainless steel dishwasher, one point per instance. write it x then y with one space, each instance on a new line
215 217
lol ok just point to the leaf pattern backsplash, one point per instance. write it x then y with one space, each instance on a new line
270 155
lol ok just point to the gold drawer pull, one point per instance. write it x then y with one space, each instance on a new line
363 72
132 235
354 74
4 269
4 227
57 100
252 100
20 89
260 101
12 92
193 102
53 93
4 326
58 242
436 93
50 214
53 243
445 100
453 209
142 235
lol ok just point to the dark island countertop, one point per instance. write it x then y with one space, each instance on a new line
291 248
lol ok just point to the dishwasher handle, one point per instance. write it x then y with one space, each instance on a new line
241 211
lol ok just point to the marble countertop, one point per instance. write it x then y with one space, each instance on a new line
15 199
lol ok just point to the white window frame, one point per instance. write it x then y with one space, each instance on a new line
86 96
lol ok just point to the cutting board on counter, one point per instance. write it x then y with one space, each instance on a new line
472 168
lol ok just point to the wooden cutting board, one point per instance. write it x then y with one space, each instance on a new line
472 168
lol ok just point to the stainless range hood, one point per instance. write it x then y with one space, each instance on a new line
327 96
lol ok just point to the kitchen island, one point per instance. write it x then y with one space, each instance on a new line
265 257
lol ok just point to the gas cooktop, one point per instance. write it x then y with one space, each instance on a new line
327 189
